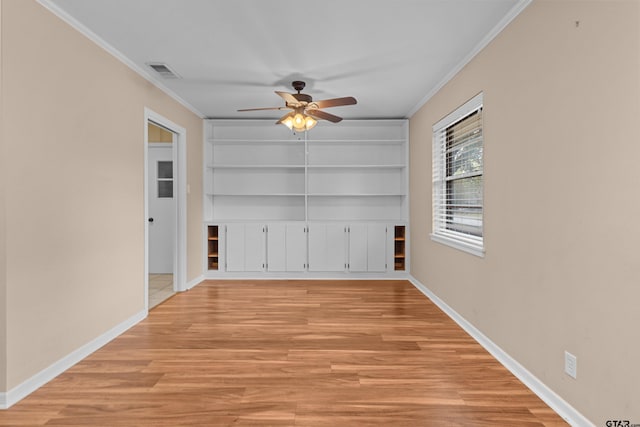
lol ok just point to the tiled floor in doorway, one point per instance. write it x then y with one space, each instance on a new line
160 288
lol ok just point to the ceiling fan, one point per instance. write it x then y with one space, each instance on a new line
305 110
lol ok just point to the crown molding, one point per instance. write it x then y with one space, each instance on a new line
85 31
506 20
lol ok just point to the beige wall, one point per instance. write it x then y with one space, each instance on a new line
561 271
73 128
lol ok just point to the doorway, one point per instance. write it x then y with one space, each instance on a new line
162 212
165 209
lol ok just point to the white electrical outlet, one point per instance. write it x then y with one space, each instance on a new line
570 365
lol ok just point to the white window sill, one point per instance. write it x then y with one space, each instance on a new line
468 247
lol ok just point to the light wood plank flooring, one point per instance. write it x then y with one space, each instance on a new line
160 288
288 353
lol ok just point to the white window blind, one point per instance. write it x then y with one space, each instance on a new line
458 178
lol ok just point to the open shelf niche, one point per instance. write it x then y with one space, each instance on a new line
399 244
213 247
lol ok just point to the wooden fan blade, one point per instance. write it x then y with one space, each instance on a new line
283 118
266 108
288 98
335 102
318 114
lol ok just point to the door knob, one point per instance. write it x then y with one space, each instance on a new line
150 219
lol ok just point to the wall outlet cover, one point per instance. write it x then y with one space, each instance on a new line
570 365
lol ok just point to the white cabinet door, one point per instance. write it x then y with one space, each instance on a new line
377 247
327 247
286 247
245 247
317 247
358 247
296 243
254 247
276 247
336 247
367 247
235 247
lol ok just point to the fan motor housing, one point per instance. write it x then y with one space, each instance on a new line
302 97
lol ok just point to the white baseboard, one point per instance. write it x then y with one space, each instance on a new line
194 282
266 275
38 380
548 396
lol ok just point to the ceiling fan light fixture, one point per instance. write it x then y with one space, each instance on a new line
310 122
299 122
288 122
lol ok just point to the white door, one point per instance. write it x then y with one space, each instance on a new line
161 209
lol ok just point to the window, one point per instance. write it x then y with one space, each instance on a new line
458 178
165 179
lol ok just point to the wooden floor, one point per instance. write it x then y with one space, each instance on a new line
303 353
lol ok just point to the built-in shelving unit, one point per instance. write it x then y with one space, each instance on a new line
358 172
253 171
354 172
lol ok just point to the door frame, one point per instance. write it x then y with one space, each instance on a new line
179 154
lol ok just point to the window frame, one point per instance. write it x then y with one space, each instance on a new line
164 179
441 181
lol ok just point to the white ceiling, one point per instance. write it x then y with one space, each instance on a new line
232 54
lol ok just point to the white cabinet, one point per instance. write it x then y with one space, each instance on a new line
286 247
244 247
367 247
356 247
327 247
301 247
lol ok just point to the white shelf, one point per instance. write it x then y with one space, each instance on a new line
256 194
308 194
238 166
255 142
356 141
356 195
325 166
